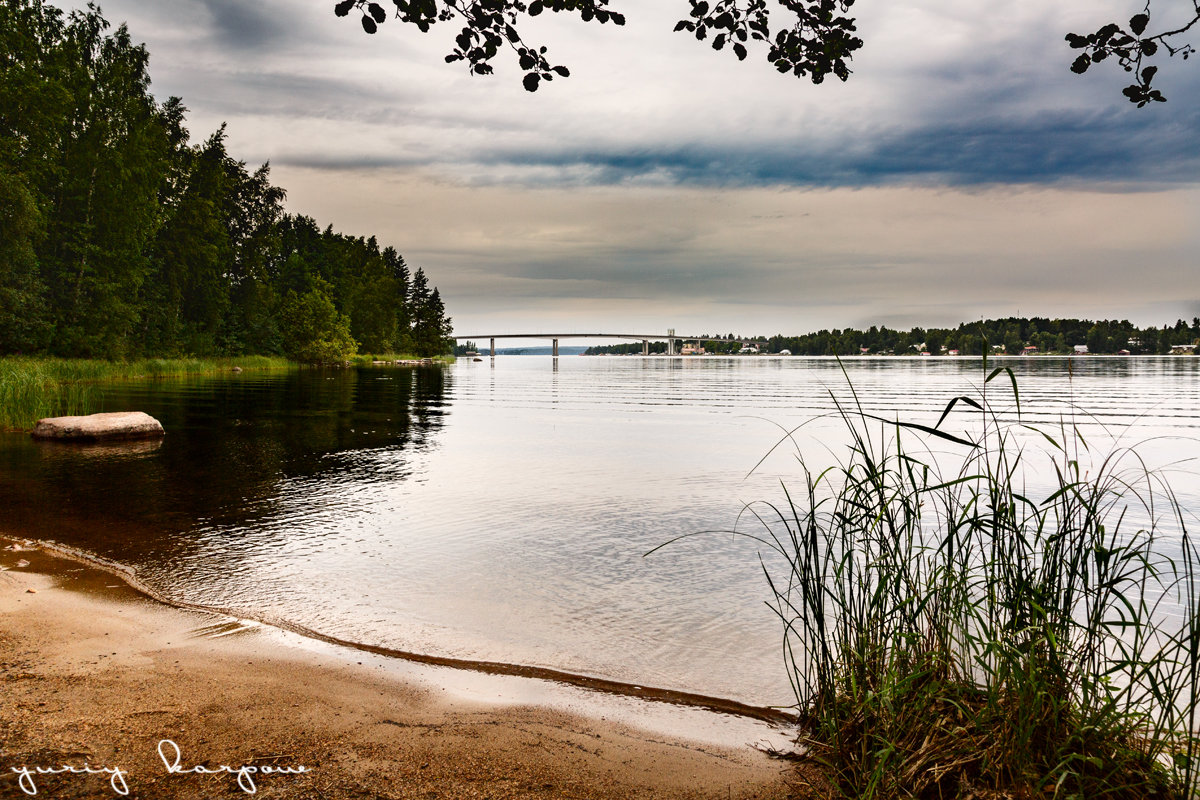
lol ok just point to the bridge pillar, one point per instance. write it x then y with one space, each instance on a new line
492 351
556 348
645 347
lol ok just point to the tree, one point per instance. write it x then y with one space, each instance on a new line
313 330
430 326
934 339
193 256
375 296
24 325
1130 47
92 156
814 40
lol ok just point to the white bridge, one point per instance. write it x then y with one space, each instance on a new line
645 339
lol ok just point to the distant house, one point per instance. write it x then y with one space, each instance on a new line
1081 350
1123 352
1183 349
951 352
785 352
749 348
862 351
690 349
1029 351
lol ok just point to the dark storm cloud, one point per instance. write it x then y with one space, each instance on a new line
1050 147
1045 147
237 25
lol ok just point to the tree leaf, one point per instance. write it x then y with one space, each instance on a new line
343 8
369 24
377 12
1138 23
531 80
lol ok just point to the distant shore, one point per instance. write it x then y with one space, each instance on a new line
102 676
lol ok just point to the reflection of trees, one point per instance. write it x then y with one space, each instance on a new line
232 445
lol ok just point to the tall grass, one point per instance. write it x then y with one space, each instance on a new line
32 388
948 632
367 359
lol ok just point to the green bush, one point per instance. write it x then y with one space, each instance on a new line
313 330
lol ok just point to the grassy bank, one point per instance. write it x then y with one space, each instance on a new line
950 634
367 359
32 388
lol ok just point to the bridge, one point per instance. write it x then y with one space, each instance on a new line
670 336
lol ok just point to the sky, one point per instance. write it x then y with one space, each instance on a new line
963 172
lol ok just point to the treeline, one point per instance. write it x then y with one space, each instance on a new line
1012 335
119 238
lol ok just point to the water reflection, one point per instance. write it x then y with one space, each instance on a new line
501 511
74 451
234 446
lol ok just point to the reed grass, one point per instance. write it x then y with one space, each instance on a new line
367 359
950 634
32 388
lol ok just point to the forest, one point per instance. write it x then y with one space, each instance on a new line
1011 335
120 238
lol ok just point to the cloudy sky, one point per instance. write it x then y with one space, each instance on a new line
962 172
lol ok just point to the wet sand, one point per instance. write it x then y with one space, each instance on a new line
95 674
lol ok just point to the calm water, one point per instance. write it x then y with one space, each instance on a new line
502 512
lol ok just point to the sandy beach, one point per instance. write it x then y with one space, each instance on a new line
99 677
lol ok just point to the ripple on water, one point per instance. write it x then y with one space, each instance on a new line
504 512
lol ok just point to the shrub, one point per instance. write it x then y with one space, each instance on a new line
313 330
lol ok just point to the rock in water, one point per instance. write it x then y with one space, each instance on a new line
97 427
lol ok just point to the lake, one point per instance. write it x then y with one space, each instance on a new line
502 510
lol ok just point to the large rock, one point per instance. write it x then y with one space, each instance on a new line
97 427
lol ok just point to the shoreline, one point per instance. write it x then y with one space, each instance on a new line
101 675
719 705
